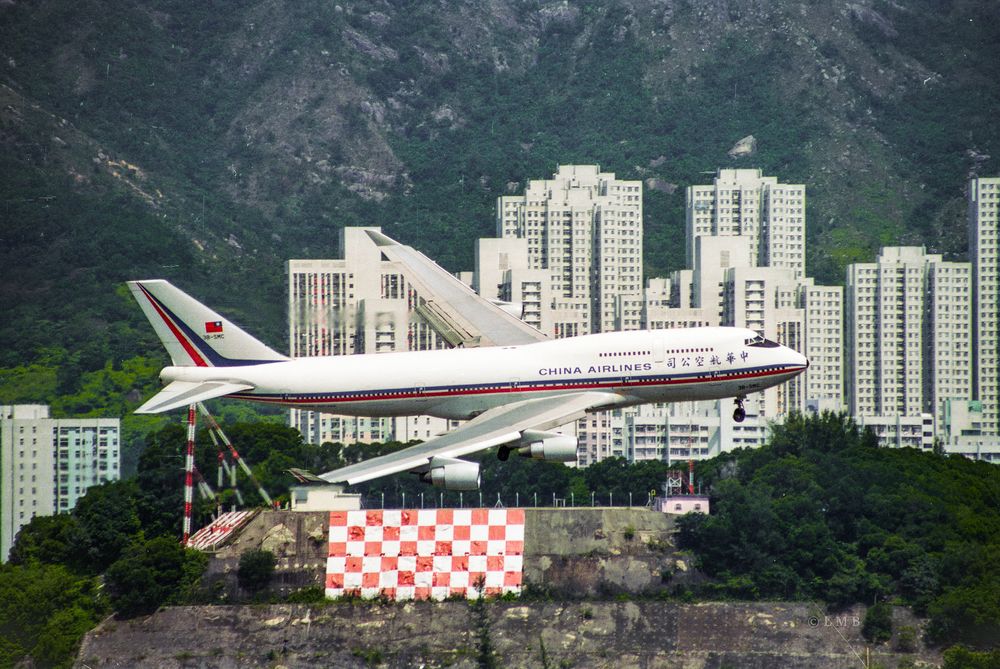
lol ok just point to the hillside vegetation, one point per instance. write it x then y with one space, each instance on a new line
819 513
822 513
208 142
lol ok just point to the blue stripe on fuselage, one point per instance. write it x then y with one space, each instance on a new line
508 387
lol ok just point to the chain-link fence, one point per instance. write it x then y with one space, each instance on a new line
435 499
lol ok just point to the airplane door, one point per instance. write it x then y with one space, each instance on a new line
659 348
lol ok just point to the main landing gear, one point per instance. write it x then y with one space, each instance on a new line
740 413
503 453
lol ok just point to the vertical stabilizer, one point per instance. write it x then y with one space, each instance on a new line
193 334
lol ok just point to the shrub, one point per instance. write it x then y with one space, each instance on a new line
255 570
877 627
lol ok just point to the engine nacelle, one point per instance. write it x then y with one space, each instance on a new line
550 446
452 474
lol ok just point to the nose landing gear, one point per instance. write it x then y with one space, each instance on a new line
740 413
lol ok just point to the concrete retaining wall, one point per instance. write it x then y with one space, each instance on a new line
576 552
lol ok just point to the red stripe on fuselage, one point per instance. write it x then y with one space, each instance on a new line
195 356
507 389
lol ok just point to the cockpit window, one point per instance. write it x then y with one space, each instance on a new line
760 342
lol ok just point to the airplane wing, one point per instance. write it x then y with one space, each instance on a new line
182 393
452 308
491 428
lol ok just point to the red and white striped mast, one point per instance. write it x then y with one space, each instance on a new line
189 474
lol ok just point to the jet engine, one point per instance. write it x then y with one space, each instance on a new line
550 446
452 474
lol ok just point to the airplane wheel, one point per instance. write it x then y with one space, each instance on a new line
739 414
503 453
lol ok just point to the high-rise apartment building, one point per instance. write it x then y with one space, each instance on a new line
908 334
947 336
984 254
359 303
743 203
584 227
503 272
667 432
885 304
47 464
823 342
726 287
765 299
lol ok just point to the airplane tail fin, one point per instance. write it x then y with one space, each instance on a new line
193 334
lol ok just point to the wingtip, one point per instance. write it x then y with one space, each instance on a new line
380 239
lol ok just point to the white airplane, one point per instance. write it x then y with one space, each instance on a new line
511 394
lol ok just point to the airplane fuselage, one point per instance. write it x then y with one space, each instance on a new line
639 366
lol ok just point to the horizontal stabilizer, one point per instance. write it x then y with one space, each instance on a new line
305 476
182 393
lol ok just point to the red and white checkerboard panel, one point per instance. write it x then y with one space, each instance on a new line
425 553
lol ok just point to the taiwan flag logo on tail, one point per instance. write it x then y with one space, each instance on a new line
213 327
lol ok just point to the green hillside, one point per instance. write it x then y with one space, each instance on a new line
818 514
208 142
821 512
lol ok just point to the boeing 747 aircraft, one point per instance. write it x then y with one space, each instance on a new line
511 393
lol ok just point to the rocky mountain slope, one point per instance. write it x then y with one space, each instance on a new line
588 635
207 142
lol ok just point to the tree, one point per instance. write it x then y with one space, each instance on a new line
970 613
255 570
160 481
47 540
44 612
877 627
960 657
61 636
108 522
150 574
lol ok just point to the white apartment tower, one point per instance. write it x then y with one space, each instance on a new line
584 227
765 299
47 464
823 341
743 203
984 253
503 272
908 334
359 303
947 336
